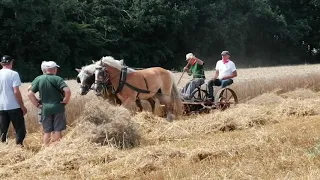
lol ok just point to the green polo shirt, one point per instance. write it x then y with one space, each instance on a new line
50 96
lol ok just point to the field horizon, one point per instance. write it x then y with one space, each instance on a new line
271 134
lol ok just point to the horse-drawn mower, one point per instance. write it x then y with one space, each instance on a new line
200 103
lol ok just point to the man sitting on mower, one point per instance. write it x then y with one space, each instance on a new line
194 68
225 71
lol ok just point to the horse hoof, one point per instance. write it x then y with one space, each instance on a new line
169 118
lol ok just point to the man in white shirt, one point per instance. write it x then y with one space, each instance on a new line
225 71
12 108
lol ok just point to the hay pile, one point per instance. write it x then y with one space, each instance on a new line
101 131
265 109
105 124
154 129
300 94
266 99
296 107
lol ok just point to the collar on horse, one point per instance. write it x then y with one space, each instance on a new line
122 82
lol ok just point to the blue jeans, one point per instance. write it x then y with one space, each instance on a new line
218 82
191 86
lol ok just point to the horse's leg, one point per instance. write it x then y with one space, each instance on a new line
152 104
164 99
138 103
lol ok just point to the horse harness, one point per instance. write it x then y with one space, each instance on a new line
122 83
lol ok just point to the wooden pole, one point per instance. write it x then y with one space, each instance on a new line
183 72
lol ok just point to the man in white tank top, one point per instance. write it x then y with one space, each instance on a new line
12 108
225 71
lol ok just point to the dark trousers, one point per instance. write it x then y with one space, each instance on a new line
16 117
218 82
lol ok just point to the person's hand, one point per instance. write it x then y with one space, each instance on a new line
24 110
185 69
64 101
226 77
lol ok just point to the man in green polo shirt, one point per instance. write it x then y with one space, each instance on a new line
55 94
194 68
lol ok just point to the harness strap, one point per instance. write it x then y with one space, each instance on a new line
122 82
137 89
146 91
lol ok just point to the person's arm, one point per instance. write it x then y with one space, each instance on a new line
29 87
33 99
187 69
234 72
199 61
216 74
17 93
67 95
31 94
67 92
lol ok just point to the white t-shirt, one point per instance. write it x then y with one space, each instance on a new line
225 69
8 80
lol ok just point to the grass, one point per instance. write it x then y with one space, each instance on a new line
272 134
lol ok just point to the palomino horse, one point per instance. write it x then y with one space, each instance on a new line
86 78
146 84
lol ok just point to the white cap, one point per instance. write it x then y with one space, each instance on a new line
50 64
189 55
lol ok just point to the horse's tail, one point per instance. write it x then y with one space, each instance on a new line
175 97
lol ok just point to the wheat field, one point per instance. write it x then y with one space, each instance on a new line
272 134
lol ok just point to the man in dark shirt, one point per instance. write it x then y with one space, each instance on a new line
54 94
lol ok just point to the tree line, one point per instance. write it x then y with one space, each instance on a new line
149 33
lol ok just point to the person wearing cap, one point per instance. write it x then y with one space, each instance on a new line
11 104
194 68
54 95
225 72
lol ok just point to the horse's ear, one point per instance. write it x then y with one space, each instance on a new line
93 61
78 70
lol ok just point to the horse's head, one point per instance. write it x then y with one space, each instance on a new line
102 79
86 78
105 67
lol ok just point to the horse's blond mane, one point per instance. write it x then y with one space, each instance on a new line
110 61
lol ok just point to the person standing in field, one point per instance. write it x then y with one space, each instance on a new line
11 104
225 72
54 95
194 68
